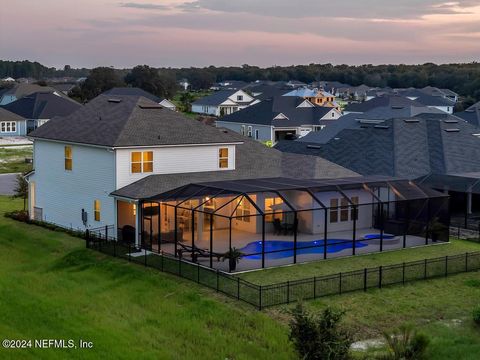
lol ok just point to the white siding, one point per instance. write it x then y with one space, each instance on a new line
264 131
173 160
63 194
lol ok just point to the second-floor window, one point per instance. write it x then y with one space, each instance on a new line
239 97
249 131
142 162
223 158
242 130
96 210
68 158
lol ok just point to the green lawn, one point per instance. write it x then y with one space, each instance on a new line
333 266
12 160
52 287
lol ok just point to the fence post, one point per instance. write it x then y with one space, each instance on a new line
314 287
87 238
217 279
198 273
425 270
115 249
145 257
365 279
446 266
340 283
180 267
106 232
129 252
288 292
380 274
403 273
161 263
260 298
238 288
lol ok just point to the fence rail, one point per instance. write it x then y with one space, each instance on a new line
261 296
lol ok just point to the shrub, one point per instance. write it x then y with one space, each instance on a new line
319 337
406 343
476 314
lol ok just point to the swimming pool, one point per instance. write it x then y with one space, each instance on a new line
278 249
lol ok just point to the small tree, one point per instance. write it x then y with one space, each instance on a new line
406 344
186 100
319 337
21 190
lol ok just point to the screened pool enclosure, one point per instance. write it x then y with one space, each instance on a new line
249 224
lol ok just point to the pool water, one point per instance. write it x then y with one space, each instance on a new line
275 248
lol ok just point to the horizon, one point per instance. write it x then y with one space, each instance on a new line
186 33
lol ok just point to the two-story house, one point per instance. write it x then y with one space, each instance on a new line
92 167
223 102
315 96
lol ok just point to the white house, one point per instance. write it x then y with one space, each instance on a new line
223 102
92 168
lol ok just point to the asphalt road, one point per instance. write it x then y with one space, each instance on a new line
7 183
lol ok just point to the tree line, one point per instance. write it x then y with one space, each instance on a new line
461 78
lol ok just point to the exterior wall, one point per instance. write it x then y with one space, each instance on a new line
7 99
21 129
264 131
62 194
447 109
173 160
206 109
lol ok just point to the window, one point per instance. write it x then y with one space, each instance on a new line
243 210
8 126
272 207
249 132
239 97
344 210
256 135
96 210
223 158
142 162
333 114
68 158
242 130
333 210
354 210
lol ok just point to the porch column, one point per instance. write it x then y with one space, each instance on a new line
138 224
469 203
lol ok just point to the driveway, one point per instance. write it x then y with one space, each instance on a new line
7 183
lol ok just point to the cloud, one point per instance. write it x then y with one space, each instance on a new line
144 6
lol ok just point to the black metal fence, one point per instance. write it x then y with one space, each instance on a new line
471 233
262 296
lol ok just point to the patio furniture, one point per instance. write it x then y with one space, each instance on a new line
196 252
278 228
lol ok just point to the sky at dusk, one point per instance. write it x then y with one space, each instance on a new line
179 33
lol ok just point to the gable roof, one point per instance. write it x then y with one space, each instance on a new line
132 91
409 148
42 105
24 89
6 115
217 98
472 115
253 160
128 121
267 111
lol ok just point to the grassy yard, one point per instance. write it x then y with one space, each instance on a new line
12 160
333 266
52 287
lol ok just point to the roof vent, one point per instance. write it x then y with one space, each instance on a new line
470 110
370 121
381 126
452 130
153 106
114 100
398 107
314 147
450 121
411 120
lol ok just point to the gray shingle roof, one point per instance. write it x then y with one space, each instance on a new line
128 121
472 115
264 113
382 101
216 98
132 91
407 148
253 160
6 115
42 105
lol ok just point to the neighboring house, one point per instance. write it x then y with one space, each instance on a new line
64 88
12 124
294 84
393 101
223 102
40 107
97 166
283 117
8 79
315 96
446 93
135 91
229 85
472 114
20 90
184 84
439 102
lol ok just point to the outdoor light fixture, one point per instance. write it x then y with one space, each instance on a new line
134 209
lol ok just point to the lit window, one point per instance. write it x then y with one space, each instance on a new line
8 126
333 210
68 158
142 162
243 210
271 206
354 210
223 158
96 210
344 210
